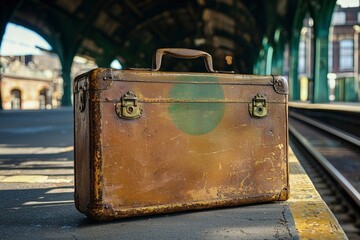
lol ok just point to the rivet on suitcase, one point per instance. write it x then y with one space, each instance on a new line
148 141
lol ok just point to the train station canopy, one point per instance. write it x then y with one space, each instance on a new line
240 34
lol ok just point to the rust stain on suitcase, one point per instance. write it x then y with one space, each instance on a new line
194 146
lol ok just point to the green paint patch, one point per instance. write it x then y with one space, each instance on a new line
194 115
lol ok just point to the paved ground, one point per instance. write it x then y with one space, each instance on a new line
36 193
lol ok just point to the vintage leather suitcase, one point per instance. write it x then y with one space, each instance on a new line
148 141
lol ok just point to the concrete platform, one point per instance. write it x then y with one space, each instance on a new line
36 192
313 219
335 106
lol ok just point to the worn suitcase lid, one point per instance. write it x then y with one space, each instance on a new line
146 75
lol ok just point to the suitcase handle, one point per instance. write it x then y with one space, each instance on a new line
182 53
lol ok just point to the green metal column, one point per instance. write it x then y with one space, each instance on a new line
301 9
294 63
278 60
69 41
256 69
69 48
269 58
67 83
278 56
321 88
322 13
66 48
259 67
66 51
263 64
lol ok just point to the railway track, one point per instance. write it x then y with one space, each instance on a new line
331 158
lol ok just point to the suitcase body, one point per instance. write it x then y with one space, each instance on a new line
151 142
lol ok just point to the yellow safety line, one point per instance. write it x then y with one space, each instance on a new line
313 218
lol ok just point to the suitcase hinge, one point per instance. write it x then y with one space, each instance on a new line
128 107
259 107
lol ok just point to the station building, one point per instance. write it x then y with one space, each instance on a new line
34 81
31 82
343 63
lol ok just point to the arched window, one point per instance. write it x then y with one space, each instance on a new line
302 57
339 18
346 54
330 57
45 99
15 99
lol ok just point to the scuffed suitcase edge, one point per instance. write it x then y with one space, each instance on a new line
100 212
99 80
96 182
80 83
106 76
284 194
280 85
89 81
104 212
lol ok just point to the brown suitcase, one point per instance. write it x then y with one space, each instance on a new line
149 142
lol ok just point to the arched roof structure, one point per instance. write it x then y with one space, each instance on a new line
132 30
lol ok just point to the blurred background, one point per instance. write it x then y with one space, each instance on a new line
45 44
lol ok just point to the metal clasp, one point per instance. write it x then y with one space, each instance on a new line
259 107
128 108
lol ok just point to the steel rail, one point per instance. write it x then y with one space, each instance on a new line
334 173
329 129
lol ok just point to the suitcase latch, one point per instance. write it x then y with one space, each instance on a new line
259 107
128 107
